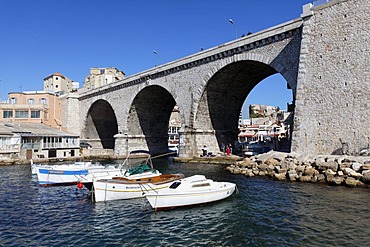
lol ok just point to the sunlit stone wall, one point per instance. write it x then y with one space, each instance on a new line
333 88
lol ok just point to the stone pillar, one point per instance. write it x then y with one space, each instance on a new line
125 143
192 141
121 144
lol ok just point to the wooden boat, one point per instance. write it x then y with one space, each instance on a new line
189 191
140 176
139 158
130 187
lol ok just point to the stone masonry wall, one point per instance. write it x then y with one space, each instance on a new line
333 89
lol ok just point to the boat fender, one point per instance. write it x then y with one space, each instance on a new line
79 185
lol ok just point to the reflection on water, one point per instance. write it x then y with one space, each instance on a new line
262 213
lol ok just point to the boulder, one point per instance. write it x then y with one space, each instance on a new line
305 178
310 171
329 172
322 166
352 173
300 168
356 166
344 165
272 161
314 179
351 182
280 176
320 178
334 180
365 177
366 167
292 175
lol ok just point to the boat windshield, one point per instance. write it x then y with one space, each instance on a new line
175 185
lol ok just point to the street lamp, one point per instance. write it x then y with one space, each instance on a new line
236 29
156 53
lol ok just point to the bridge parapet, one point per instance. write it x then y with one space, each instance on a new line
247 43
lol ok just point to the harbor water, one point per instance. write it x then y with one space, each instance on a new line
263 212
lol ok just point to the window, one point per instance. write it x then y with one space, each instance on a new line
21 114
31 101
35 114
13 100
43 101
7 114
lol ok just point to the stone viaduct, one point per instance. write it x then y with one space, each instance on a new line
323 56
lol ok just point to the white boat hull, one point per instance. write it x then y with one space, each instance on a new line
171 198
130 188
63 174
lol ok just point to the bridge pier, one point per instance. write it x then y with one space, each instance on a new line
125 143
192 141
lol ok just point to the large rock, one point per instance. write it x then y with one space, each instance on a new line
272 161
351 182
280 176
320 178
365 177
356 166
352 173
366 167
292 175
322 166
262 167
305 178
344 165
310 172
334 180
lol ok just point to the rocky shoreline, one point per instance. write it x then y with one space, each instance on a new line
351 171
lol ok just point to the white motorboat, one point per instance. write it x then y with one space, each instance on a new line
130 187
189 191
139 177
66 174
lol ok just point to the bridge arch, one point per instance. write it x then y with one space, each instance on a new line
225 89
148 118
100 125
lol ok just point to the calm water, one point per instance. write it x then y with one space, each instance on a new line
262 213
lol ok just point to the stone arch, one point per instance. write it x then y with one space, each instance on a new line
148 118
218 108
100 125
278 67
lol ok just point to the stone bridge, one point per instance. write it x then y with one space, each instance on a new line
323 56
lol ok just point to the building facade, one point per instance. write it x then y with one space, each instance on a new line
36 141
58 83
32 107
102 76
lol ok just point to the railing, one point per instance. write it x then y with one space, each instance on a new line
9 147
30 146
59 145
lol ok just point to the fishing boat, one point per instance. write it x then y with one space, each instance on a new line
139 177
121 188
66 174
189 191
136 156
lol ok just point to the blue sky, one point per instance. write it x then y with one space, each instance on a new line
41 37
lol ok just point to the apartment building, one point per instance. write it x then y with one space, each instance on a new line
58 83
32 107
99 77
35 140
